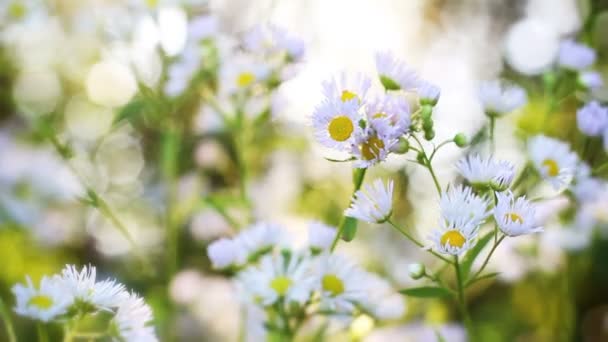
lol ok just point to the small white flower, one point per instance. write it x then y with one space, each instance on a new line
260 238
591 79
104 295
452 238
382 301
224 253
270 39
389 116
500 98
45 303
347 87
395 74
242 73
479 171
592 119
320 236
588 189
277 276
336 123
515 216
373 204
132 320
342 284
427 92
461 207
372 146
553 159
575 56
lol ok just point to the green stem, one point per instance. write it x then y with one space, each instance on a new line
358 177
492 141
437 186
416 242
43 335
485 262
170 160
8 322
461 301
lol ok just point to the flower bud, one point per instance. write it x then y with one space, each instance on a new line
401 147
429 134
426 111
416 270
427 124
461 140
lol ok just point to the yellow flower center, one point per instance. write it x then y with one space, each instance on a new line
552 167
41 301
280 285
371 148
16 10
454 238
348 95
333 284
245 79
340 128
514 217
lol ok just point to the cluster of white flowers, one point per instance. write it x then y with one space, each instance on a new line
351 119
299 280
579 58
63 296
499 97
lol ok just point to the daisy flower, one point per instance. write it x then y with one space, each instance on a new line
553 159
389 115
591 79
500 98
395 74
460 206
278 276
225 252
428 92
259 239
382 301
336 123
515 216
45 303
373 204
83 286
486 172
270 38
371 147
453 238
242 73
347 87
592 119
575 56
320 236
132 320
342 284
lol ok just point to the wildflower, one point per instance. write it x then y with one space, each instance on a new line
132 320
395 74
515 217
453 238
336 124
342 284
347 88
592 119
373 204
259 239
45 303
553 159
575 56
486 172
104 295
416 270
500 98
389 116
224 253
241 74
372 146
428 92
591 79
460 206
320 236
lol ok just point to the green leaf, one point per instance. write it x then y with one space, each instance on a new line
340 161
469 258
426 292
483 277
130 111
350 228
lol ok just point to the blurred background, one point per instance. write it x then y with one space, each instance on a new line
110 98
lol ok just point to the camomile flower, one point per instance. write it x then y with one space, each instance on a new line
575 56
241 74
45 303
372 146
320 236
83 286
453 238
336 123
553 159
515 216
591 79
373 204
132 320
224 253
499 98
347 87
278 276
341 283
592 119
395 74
486 172
259 239
460 206
427 92
389 115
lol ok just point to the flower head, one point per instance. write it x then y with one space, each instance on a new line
44 303
259 239
373 204
515 216
224 253
132 320
592 119
553 159
342 284
428 92
271 39
486 172
452 238
500 98
575 56
104 295
389 116
395 74
462 208
336 123
347 87
320 236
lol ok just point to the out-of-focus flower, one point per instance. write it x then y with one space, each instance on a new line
242 73
320 236
45 303
553 159
87 121
336 123
224 253
347 87
133 320
373 204
460 207
591 79
110 83
575 56
531 46
37 92
173 29
427 92
515 216
395 74
499 98
277 276
260 238
342 284
271 39
592 119
383 302
486 172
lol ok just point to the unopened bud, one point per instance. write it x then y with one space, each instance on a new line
416 270
429 134
401 147
461 140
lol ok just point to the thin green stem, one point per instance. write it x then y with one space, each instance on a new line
8 322
432 172
43 335
357 183
492 141
435 149
416 242
485 262
461 300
